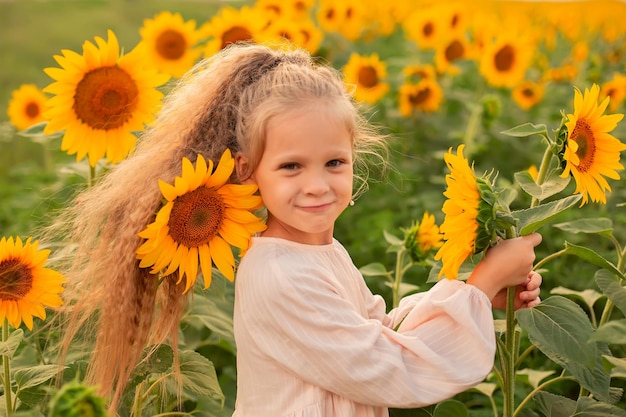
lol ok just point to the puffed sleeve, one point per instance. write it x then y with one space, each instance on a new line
445 343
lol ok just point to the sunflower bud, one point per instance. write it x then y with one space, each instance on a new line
422 237
75 399
493 219
492 108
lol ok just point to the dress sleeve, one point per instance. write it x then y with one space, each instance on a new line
444 345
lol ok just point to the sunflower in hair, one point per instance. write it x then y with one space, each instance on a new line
203 218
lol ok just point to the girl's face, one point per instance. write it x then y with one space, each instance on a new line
305 174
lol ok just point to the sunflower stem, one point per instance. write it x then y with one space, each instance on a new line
398 278
472 127
92 176
511 347
6 361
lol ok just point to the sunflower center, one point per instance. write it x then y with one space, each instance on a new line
528 93
196 217
171 45
32 110
16 280
368 77
428 29
583 136
234 35
505 58
454 51
420 97
105 98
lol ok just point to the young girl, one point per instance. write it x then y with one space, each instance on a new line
311 338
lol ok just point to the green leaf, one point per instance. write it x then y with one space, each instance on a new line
588 407
9 347
613 332
198 375
598 225
592 257
486 388
616 365
392 239
34 130
560 329
551 405
533 377
554 184
451 408
373 270
31 377
529 220
561 325
589 297
527 129
611 285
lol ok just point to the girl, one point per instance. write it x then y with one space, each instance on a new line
312 340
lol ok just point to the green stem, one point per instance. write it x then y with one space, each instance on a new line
92 176
524 354
6 361
543 172
549 258
472 127
398 278
539 388
509 371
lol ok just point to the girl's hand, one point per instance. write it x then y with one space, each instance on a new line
526 295
507 264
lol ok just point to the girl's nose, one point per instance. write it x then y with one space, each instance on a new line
316 183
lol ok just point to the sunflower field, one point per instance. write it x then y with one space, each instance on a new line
504 118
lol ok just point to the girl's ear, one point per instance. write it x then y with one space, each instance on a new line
243 169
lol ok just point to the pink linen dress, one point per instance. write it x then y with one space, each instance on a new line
313 341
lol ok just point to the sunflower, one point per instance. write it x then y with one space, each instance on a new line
26 286
460 225
590 153
474 217
100 99
366 73
169 43
231 25
528 94
283 31
424 96
202 217
457 48
422 237
614 88
424 26
504 61
26 106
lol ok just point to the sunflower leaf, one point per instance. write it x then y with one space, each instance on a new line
613 332
554 184
527 129
592 257
611 285
529 220
8 347
600 225
33 376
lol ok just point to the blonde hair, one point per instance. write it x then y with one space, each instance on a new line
224 102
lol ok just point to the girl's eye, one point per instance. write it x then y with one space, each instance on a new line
289 166
334 163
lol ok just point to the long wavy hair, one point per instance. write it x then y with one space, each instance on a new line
224 102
